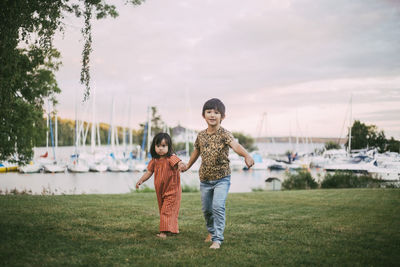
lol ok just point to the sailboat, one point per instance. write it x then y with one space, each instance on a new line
30 168
115 164
260 161
95 158
54 166
77 164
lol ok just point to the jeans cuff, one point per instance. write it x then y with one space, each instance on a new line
217 241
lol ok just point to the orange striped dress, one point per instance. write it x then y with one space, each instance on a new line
167 184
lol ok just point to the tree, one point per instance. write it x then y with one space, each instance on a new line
29 61
359 135
380 141
246 141
393 145
367 136
331 145
156 124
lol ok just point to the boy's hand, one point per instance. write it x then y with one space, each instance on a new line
182 166
249 161
138 184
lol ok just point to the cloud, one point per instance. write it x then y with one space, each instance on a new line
392 115
280 57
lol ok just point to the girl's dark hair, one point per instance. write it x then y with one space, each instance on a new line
157 140
214 103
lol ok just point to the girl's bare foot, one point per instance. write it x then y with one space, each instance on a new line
162 235
208 238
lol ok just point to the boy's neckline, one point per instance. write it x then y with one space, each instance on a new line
213 131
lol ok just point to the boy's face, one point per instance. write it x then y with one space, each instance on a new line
213 117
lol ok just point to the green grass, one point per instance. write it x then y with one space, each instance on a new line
346 227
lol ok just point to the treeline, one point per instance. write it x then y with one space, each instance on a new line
66 133
368 136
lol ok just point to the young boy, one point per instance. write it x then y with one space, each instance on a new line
212 144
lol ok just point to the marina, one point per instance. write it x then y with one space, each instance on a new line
118 176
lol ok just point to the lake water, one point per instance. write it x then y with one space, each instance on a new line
122 182
117 183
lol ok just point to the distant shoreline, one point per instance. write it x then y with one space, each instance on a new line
285 139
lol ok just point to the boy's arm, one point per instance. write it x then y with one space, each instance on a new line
195 155
144 178
241 151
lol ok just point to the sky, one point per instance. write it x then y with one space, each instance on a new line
281 67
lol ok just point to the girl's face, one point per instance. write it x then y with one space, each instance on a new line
162 148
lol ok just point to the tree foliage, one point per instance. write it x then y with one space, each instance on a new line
66 133
246 141
331 145
393 145
368 136
29 60
157 124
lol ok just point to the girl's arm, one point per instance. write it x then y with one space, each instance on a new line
241 151
195 155
144 178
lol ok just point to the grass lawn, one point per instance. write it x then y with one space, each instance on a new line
346 227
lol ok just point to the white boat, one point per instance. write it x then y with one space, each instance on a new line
118 166
236 164
281 165
98 167
30 168
138 166
54 168
319 161
386 168
259 166
78 167
278 166
259 162
357 164
383 173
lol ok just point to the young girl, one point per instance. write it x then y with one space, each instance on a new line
164 165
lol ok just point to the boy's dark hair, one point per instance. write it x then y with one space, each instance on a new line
214 103
157 140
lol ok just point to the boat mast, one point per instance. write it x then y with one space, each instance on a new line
350 124
148 128
93 129
112 126
129 125
56 129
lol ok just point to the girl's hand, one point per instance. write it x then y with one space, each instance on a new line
138 184
249 161
182 166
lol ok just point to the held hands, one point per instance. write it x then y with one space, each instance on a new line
249 161
182 167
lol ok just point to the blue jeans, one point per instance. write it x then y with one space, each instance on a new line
213 197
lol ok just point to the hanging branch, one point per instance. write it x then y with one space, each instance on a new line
87 49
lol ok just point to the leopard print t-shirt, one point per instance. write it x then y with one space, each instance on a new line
214 152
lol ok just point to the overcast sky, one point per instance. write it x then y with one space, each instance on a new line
298 61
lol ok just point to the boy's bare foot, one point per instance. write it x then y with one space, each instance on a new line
215 245
162 235
208 238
